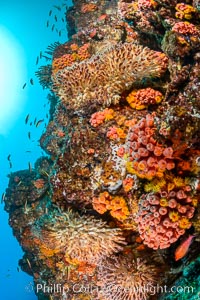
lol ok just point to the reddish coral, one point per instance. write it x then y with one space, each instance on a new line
118 208
116 205
144 4
128 184
184 11
99 117
116 133
101 203
127 9
140 99
164 216
78 54
185 28
146 157
64 61
83 52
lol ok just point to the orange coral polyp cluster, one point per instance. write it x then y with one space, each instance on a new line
184 11
164 216
128 184
116 133
64 61
118 208
144 4
185 28
116 205
101 203
146 158
82 52
78 54
140 99
99 117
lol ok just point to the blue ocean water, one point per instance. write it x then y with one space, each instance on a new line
23 34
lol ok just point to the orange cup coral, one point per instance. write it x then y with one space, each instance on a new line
140 99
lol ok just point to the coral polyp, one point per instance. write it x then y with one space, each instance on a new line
146 157
165 214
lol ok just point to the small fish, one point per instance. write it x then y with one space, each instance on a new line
43 172
47 116
20 182
37 60
47 24
24 86
31 123
46 57
31 81
140 247
55 17
28 151
57 7
10 164
29 135
63 20
48 193
27 118
25 207
3 197
40 54
50 12
59 33
52 28
29 167
102 17
35 121
39 122
8 158
29 264
17 269
183 248
68 272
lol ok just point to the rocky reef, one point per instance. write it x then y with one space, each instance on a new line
109 211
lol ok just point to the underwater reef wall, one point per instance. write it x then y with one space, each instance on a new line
112 211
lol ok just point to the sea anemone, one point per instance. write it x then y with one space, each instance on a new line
125 278
82 238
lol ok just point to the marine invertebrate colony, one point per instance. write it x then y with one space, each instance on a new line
164 215
101 79
146 157
121 181
140 99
